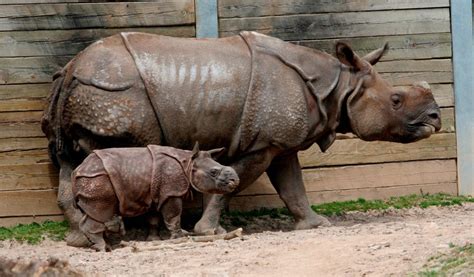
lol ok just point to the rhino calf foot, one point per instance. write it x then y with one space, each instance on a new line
77 238
311 222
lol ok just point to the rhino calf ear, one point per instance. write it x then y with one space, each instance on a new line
374 56
195 150
216 153
422 84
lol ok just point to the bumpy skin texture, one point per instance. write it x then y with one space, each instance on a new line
261 98
128 182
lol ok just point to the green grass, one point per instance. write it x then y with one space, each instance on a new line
460 260
34 233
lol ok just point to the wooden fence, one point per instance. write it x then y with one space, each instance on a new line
37 39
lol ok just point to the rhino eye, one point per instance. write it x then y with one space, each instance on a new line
214 172
396 100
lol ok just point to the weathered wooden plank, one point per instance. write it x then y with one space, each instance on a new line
434 65
15 220
367 176
13 144
463 55
28 203
24 157
408 78
97 15
22 105
420 46
30 69
28 177
20 130
355 151
341 25
24 91
20 116
255 8
247 203
70 42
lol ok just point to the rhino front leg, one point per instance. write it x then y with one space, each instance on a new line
171 211
65 202
286 177
249 168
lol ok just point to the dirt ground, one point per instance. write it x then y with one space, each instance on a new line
394 242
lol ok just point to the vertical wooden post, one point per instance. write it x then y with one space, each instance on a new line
461 21
206 19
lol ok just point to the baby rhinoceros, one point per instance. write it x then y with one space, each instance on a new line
127 182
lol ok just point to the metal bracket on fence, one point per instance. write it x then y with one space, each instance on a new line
206 19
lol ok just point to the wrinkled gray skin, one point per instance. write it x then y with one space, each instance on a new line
259 97
128 182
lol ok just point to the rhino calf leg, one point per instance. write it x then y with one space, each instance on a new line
65 201
286 177
153 227
171 211
94 231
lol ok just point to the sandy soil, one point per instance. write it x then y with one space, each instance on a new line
359 244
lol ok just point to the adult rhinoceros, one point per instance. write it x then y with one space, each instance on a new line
260 97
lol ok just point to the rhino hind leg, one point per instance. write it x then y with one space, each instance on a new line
94 231
286 177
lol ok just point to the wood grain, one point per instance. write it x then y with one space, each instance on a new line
355 151
367 176
70 42
28 177
342 25
96 15
28 203
24 156
402 47
255 8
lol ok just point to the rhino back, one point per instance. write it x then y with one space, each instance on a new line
199 87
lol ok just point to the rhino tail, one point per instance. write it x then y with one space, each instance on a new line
51 120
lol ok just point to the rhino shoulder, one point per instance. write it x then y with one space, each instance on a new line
107 64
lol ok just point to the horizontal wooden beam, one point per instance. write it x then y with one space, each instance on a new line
402 47
384 175
28 203
355 151
31 156
70 42
96 15
28 177
342 25
256 8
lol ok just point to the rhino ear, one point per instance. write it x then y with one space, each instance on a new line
374 56
216 153
195 150
422 84
346 56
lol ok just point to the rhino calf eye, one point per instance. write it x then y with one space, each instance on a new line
214 172
396 100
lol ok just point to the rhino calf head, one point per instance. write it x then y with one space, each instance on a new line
210 176
378 111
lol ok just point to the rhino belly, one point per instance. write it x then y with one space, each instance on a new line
198 87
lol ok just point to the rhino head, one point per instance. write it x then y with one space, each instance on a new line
209 176
378 111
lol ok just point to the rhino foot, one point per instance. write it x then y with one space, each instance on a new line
77 238
312 222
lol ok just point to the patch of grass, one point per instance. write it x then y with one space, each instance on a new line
402 202
460 261
34 233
